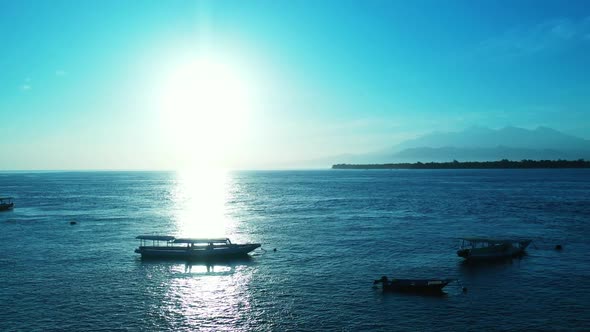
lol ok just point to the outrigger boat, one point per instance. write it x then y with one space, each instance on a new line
6 203
413 285
164 246
474 248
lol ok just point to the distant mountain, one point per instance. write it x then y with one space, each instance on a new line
513 137
480 144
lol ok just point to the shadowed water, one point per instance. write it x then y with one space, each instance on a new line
335 232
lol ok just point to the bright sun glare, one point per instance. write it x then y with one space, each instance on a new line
204 107
199 203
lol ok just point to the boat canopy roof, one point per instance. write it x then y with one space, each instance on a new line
3 198
491 240
156 237
189 240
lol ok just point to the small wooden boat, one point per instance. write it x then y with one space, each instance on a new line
6 203
413 285
475 248
164 246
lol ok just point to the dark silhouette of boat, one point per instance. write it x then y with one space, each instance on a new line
478 249
413 285
6 203
164 246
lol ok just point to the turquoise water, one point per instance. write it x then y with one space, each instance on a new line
334 231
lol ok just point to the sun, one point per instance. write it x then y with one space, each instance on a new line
204 109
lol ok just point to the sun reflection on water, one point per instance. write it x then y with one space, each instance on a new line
199 200
199 295
207 298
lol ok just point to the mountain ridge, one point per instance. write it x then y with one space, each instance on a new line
482 137
478 143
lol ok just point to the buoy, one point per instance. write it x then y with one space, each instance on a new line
73 222
275 250
464 289
558 247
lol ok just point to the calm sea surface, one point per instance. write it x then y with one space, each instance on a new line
334 231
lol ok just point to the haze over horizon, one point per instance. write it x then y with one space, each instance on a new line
249 85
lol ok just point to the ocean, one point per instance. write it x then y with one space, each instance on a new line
334 232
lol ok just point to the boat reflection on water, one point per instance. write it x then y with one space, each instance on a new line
184 295
210 266
479 266
219 266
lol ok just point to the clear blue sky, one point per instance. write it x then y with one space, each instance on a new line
82 83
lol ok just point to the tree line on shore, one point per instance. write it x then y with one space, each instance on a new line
504 163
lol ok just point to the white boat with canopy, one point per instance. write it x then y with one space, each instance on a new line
478 248
165 246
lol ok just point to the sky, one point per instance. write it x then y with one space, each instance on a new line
265 84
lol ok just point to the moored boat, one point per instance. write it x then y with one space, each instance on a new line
413 285
165 246
6 203
474 248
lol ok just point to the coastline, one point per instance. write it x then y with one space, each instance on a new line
501 164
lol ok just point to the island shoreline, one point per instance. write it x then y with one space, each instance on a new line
500 164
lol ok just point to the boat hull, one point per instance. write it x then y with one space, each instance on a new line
235 250
414 285
6 207
493 253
